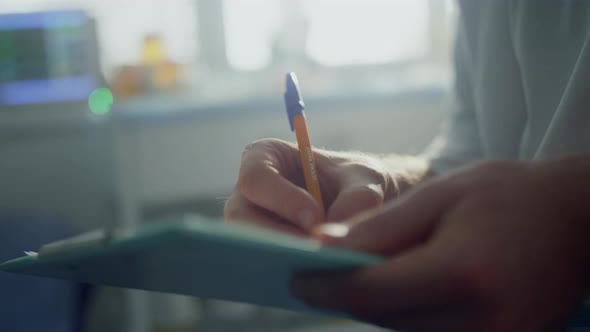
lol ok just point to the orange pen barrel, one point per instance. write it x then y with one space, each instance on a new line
307 160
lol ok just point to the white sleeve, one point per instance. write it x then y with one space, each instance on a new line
459 141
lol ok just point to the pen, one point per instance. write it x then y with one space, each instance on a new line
295 106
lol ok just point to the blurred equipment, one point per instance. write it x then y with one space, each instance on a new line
163 73
47 57
156 74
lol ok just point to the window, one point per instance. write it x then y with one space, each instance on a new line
224 49
326 32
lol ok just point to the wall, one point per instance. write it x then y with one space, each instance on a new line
54 163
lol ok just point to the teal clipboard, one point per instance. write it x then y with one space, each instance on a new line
193 256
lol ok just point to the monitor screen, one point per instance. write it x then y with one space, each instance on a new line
47 57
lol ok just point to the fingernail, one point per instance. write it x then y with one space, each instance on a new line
333 230
306 218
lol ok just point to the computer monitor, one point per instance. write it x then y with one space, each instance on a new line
47 58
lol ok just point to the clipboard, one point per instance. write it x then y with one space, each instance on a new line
191 256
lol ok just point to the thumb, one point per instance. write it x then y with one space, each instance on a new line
404 222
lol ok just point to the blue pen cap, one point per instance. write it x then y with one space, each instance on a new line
293 100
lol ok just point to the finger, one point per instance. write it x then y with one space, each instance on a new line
239 211
355 199
397 226
261 182
411 282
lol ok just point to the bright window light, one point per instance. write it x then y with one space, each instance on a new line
352 32
250 27
334 32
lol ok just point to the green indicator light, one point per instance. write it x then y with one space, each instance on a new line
100 101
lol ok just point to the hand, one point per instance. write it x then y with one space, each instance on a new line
502 246
270 188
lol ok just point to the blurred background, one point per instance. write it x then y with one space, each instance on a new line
193 81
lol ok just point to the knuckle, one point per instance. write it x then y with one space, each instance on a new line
246 150
365 167
260 145
267 143
369 170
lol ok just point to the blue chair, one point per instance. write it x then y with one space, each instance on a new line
31 303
